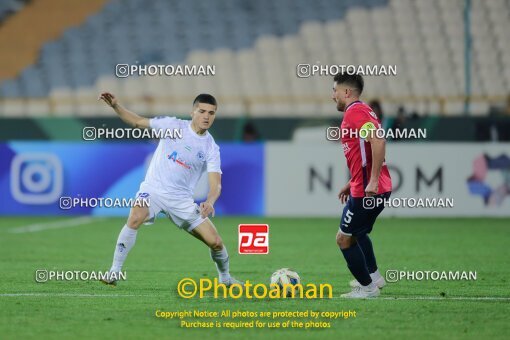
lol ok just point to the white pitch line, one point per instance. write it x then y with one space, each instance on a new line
72 295
439 298
400 298
73 222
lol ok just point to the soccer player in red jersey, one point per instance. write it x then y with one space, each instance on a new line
369 186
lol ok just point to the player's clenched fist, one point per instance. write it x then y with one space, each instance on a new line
344 193
108 98
206 209
371 188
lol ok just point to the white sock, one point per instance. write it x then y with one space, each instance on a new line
125 242
375 275
371 286
220 257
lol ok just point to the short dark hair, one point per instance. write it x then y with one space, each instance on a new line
353 80
206 99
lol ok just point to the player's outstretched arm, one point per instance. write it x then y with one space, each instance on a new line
207 207
127 116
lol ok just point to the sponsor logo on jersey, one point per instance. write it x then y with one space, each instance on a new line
180 161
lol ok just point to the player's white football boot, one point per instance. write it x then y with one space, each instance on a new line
232 281
362 292
379 281
108 282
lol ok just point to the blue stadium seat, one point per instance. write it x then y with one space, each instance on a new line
8 7
160 31
10 88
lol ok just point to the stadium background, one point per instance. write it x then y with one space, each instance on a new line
453 80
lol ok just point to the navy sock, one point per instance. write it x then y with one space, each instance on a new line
366 246
356 264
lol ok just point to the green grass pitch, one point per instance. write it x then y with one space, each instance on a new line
163 255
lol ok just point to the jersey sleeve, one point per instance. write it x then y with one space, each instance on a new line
213 159
365 122
164 123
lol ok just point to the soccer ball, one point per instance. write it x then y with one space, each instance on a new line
285 276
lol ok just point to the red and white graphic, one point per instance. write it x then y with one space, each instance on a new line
253 239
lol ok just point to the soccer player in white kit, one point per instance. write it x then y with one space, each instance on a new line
173 173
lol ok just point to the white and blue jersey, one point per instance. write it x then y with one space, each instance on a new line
175 169
178 164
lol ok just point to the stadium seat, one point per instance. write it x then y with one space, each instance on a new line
256 47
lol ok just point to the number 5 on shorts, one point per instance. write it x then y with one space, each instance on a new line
348 216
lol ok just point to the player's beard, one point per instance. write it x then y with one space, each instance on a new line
340 106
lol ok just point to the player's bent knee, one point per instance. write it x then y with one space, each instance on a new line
217 244
134 222
137 216
344 241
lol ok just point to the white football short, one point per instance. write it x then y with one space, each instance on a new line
183 212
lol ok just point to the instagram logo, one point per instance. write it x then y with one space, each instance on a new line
41 275
391 275
333 133
122 70
89 133
303 70
36 178
66 203
369 202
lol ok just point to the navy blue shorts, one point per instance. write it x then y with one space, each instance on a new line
360 213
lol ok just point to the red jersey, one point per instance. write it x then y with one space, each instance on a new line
358 151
